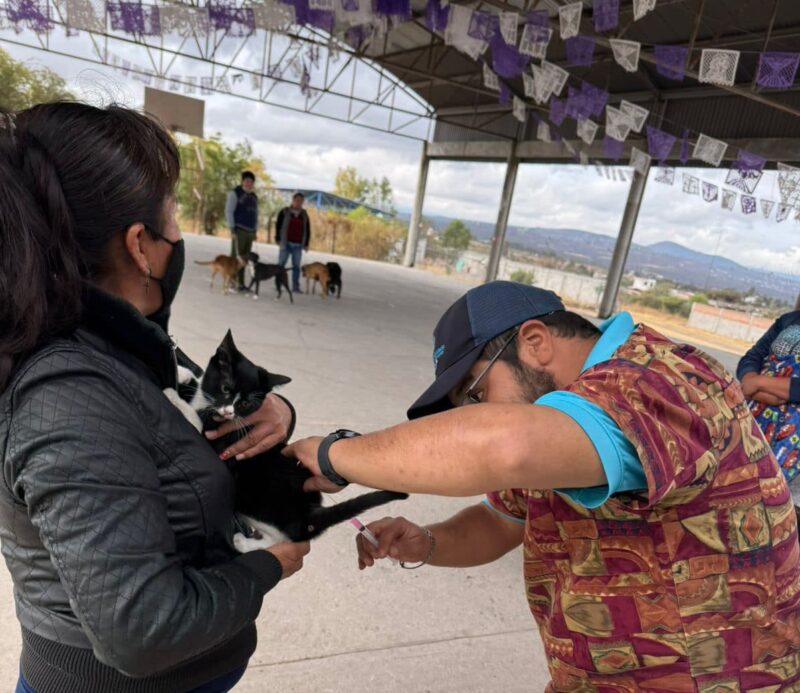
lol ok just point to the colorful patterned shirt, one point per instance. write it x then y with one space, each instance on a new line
691 585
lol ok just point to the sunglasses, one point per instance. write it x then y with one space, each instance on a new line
472 397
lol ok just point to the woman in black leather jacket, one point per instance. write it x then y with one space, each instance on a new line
115 514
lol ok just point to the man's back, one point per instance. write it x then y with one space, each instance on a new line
691 582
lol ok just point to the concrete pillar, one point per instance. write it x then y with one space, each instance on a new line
502 215
416 214
623 245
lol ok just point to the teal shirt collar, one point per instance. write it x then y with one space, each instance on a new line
614 333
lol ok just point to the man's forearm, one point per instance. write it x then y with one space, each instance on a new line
473 450
475 536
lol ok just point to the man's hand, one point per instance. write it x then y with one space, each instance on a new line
290 555
270 426
306 453
398 539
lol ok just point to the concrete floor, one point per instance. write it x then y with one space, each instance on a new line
356 363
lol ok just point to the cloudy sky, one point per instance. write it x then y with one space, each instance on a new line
305 151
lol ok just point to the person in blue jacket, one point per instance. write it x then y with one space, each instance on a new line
770 376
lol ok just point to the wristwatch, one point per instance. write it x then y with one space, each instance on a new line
325 466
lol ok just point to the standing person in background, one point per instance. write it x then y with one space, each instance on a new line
293 234
241 214
770 375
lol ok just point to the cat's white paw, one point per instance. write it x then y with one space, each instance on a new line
185 376
255 297
244 545
184 408
240 542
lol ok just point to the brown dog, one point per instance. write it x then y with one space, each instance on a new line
317 272
228 267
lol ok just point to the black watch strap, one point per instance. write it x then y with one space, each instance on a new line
325 466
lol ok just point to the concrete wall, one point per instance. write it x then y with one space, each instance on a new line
572 288
728 323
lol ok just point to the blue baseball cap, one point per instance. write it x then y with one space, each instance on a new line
468 325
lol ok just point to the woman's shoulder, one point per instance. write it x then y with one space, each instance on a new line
65 362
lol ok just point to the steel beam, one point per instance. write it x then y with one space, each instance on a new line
623 244
416 214
775 149
502 215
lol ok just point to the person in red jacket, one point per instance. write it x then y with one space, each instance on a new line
293 234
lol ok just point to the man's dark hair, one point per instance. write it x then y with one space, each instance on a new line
249 175
300 195
562 324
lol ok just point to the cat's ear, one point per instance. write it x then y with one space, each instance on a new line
227 343
226 352
271 380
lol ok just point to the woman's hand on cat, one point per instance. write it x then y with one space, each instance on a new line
397 538
270 427
290 555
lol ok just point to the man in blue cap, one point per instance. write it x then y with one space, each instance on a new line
660 539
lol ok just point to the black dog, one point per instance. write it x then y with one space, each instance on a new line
335 281
263 271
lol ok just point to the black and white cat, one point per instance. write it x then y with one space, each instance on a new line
269 487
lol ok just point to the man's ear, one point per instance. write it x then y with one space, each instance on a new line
134 236
535 344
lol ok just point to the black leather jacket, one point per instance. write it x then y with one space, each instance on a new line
116 515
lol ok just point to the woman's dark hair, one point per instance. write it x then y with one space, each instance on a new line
300 195
71 178
562 324
249 175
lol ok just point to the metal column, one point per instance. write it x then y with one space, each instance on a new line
502 216
623 245
416 214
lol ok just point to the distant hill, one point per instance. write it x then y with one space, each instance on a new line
666 259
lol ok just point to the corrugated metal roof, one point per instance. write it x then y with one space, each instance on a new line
453 83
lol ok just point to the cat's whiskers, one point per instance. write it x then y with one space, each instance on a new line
241 427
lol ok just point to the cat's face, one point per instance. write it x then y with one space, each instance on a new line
233 386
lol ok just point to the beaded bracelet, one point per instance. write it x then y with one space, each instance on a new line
432 548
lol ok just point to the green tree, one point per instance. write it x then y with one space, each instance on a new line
381 195
456 235
350 185
209 170
22 86
725 295
374 193
522 276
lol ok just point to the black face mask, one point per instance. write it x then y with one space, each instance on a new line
172 278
